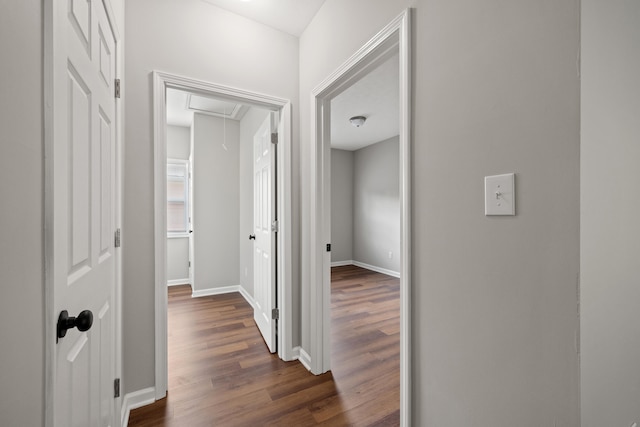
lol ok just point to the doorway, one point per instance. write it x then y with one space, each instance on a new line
164 82
365 232
392 40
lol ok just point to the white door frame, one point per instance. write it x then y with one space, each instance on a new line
51 33
395 37
162 81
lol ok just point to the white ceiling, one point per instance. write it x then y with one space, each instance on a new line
377 97
290 16
181 106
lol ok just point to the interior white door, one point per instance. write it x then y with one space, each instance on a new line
83 192
190 222
264 215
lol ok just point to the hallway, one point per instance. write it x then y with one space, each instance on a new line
220 373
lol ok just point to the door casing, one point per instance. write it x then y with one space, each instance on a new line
162 81
394 38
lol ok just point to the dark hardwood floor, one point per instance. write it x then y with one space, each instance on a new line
221 373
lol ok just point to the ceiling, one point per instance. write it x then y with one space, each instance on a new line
377 97
290 16
181 106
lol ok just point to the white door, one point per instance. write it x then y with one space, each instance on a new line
264 215
83 193
190 222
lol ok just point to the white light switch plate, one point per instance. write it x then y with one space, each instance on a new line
500 195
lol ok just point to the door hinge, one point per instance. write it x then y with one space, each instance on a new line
116 388
274 138
275 313
117 88
328 247
116 242
275 226
189 264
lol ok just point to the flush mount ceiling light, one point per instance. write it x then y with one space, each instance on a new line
358 121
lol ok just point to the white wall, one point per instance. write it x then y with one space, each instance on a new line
376 205
249 124
21 215
496 90
341 205
198 40
216 202
610 202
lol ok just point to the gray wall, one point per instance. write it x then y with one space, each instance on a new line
216 202
178 142
610 202
496 90
341 205
248 127
21 215
376 205
178 147
178 259
195 39
365 205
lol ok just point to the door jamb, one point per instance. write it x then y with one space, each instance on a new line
395 36
162 81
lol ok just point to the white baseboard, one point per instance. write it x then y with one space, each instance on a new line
136 400
247 297
215 291
367 266
175 282
377 269
342 263
225 290
293 354
304 358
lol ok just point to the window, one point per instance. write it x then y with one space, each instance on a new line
177 196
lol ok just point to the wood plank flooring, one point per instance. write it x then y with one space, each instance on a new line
221 373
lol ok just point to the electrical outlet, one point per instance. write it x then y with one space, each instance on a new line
390 254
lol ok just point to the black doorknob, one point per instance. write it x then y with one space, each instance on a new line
252 237
83 322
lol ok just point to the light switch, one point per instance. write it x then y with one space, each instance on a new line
499 194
